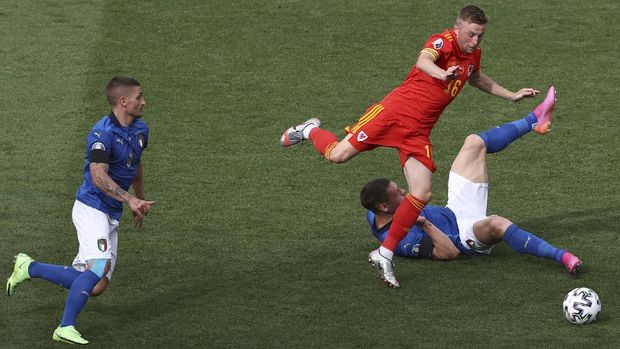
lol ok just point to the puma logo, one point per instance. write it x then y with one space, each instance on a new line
526 242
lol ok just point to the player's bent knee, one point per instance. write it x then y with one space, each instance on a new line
422 195
341 152
498 226
474 141
338 157
426 197
101 286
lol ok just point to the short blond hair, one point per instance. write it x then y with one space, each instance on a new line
472 14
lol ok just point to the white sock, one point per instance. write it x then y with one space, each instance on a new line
386 253
307 130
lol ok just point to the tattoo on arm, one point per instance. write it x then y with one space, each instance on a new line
112 189
103 181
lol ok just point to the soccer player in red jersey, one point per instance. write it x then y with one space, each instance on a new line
405 117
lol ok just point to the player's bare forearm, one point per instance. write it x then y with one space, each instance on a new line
138 183
486 84
444 248
101 179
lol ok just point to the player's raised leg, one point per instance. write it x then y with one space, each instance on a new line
498 138
325 142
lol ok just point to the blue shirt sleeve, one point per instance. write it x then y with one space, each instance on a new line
100 140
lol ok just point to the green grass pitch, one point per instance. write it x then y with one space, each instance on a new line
253 245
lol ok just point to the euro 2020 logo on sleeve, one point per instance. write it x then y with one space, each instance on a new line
438 44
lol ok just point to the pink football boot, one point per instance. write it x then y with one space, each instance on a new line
571 262
543 112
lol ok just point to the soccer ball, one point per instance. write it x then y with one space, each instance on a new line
582 306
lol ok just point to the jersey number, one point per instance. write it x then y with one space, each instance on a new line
453 87
429 151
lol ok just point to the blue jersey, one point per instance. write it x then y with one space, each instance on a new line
442 217
124 146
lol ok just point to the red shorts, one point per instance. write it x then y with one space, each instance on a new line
380 128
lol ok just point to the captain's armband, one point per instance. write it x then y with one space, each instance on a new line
426 247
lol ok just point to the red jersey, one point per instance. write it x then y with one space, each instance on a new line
420 99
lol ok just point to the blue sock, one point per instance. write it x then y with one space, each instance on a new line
500 137
525 242
56 274
78 296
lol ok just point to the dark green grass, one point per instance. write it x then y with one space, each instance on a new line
252 245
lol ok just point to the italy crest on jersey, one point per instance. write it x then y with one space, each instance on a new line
102 245
472 244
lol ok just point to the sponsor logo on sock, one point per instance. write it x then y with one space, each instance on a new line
362 136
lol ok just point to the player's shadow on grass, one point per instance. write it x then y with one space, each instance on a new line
580 222
159 306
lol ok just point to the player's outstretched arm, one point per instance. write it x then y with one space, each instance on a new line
101 179
486 84
444 248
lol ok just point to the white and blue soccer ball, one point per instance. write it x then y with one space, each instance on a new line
582 306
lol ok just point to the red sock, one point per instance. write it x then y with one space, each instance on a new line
323 140
404 218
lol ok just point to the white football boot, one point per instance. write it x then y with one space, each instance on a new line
385 267
295 134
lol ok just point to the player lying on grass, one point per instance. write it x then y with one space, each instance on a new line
462 226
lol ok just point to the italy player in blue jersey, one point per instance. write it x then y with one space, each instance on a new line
462 226
112 164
